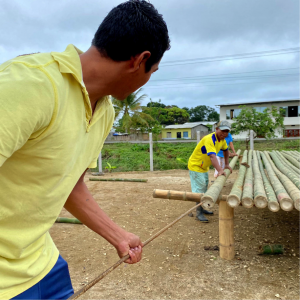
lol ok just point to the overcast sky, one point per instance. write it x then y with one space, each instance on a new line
198 29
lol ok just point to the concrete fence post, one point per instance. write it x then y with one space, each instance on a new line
151 151
251 140
198 137
100 162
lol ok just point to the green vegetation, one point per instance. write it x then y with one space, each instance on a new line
264 124
130 109
135 157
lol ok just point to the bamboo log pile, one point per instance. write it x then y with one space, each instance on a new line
276 186
287 163
211 196
286 203
289 180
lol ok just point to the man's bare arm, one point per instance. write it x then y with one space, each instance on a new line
215 163
226 157
232 148
83 206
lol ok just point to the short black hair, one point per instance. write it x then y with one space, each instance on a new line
131 28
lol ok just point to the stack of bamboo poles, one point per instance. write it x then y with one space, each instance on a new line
267 179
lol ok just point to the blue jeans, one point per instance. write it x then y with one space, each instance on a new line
55 285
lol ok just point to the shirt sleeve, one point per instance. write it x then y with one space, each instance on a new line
224 146
209 147
27 103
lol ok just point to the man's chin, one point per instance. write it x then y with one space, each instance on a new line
120 97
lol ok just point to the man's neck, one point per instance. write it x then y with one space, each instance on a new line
97 75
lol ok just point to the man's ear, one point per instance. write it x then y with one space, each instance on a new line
138 60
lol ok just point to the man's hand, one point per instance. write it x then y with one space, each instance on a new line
221 172
232 154
228 167
131 245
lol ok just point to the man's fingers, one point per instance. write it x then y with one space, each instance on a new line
135 255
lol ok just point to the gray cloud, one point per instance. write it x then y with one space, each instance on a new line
198 28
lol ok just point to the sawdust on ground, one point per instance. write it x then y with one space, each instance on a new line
175 265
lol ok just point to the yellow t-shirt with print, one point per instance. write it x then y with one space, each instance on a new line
200 160
48 138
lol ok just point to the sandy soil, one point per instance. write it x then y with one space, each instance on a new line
175 265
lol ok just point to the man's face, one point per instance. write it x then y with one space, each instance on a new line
222 134
132 83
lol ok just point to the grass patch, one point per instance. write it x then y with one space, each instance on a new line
135 157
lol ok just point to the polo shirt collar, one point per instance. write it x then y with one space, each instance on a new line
69 62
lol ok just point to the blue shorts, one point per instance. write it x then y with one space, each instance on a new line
55 285
199 181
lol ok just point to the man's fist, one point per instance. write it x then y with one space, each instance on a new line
131 245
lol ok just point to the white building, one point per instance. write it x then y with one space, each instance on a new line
291 119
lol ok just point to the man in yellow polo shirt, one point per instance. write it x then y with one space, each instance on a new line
55 114
205 155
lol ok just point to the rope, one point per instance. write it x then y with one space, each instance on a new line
101 276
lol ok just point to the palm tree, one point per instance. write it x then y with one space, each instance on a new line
130 109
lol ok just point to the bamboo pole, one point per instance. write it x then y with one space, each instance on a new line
286 203
291 159
68 220
184 196
211 196
273 204
118 179
226 231
290 187
234 198
247 196
260 197
177 195
287 163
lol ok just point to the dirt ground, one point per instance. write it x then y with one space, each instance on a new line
175 265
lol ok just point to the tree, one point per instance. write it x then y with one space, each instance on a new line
155 104
264 124
202 113
131 111
167 116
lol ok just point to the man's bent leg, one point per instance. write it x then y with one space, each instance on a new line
199 183
55 285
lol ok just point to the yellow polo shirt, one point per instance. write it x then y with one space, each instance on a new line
200 160
48 138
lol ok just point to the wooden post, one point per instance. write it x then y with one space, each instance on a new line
151 151
100 162
198 137
251 140
226 231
